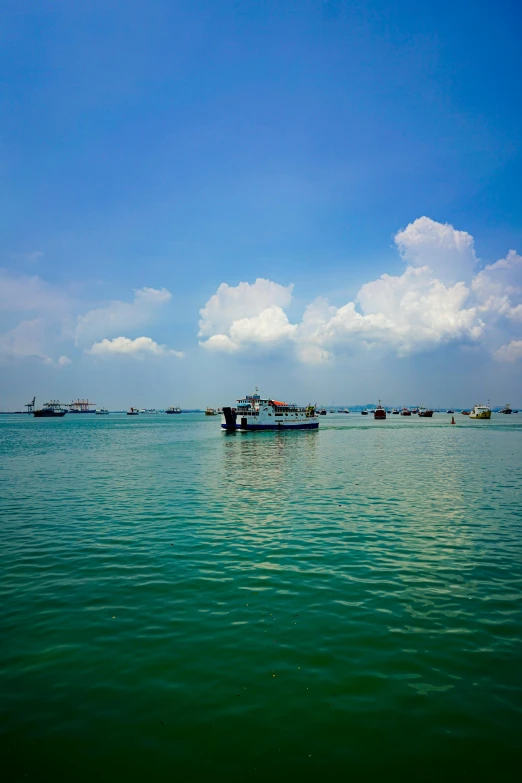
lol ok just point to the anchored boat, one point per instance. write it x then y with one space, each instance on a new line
379 412
82 406
173 409
425 413
480 412
256 413
51 410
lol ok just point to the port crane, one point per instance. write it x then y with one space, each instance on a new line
30 406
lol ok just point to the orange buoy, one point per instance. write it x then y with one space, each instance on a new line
453 419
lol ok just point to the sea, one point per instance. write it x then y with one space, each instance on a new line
179 603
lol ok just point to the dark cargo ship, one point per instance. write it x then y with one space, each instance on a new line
51 410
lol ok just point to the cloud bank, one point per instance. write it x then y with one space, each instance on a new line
138 348
119 316
442 297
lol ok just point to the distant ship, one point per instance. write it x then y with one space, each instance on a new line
395 411
480 412
173 409
405 412
81 406
254 413
211 412
51 410
379 412
101 411
425 413
506 408
364 413
133 412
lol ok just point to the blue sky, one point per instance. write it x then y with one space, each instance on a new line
152 152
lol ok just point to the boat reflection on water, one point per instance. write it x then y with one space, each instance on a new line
265 464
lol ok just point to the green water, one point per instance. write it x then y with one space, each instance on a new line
182 604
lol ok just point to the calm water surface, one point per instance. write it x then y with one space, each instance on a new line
178 603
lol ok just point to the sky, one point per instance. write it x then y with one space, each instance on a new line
318 197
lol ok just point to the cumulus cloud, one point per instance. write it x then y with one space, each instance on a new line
438 299
231 304
28 340
117 316
498 287
31 294
137 348
510 352
449 253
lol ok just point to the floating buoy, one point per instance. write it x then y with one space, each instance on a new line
453 419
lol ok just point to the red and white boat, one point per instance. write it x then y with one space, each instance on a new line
256 413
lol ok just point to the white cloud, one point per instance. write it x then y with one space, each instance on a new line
268 329
233 303
449 253
117 316
138 348
510 352
437 300
499 287
26 293
28 340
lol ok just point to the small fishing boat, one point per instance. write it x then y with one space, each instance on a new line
101 411
425 413
450 411
133 412
395 411
173 409
364 413
465 413
480 412
405 412
210 412
379 412
506 408
322 412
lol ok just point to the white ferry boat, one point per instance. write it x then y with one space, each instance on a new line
254 413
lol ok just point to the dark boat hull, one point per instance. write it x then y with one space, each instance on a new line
49 414
426 415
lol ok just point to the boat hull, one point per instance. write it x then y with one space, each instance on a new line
312 425
485 415
49 414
